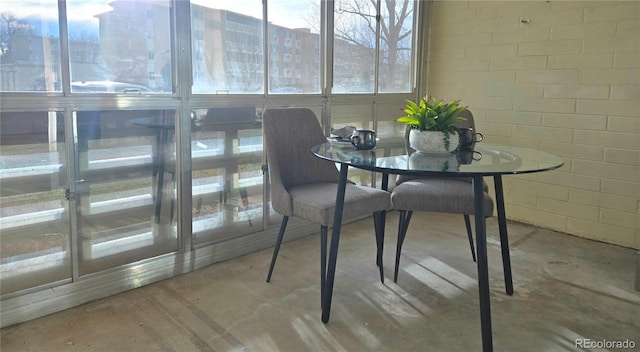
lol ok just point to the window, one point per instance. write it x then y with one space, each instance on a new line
302 23
240 32
29 46
360 34
396 47
227 182
87 192
125 191
97 29
34 215
354 46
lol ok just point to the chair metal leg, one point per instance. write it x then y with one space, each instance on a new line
276 249
467 223
403 226
378 224
323 259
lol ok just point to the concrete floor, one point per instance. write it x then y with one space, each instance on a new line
566 288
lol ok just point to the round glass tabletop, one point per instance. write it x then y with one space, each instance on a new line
485 159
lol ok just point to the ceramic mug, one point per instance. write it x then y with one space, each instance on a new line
363 139
466 156
468 137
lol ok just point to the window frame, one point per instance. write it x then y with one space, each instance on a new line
183 101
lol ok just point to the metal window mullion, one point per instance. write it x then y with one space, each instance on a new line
421 45
64 48
266 82
70 144
376 66
417 14
181 72
266 184
327 41
70 139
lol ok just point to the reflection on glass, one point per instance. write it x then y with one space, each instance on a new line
294 47
227 47
361 117
358 115
434 162
354 46
226 151
29 46
396 46
120 46
34 215
125 190
386 114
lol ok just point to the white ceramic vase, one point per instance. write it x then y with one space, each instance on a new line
433 141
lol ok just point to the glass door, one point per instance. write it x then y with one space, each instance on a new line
34 216
226 154
125 186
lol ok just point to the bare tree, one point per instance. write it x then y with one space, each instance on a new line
6 22
355 24
10 25
395 35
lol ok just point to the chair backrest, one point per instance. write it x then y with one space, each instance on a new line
289 134
468 123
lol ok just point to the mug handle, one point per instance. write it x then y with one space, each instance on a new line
355 140
475 137
477 155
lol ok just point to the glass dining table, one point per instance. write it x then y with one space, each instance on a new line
484 160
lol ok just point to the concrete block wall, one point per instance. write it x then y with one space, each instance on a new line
559 76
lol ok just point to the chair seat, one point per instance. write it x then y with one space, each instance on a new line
442 195
316 202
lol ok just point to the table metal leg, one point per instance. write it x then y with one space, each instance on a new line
383 220
333 249
483 267
323 261
504 238
378 221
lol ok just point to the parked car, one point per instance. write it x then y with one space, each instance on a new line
284 90
108 87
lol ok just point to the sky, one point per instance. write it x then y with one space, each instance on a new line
49 8
286 13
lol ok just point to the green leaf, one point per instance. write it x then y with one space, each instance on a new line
412 106
408 120
451 107
430 114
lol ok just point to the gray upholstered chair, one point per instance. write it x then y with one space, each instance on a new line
305 186
435 194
